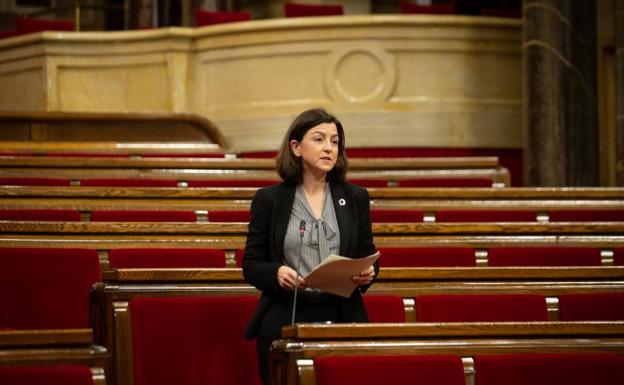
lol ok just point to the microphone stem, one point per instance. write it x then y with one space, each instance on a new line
294 310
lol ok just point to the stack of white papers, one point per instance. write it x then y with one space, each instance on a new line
333 275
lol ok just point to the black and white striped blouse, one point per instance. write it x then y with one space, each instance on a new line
321 236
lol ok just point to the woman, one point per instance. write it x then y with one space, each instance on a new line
296 224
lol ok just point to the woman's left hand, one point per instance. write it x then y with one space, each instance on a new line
364 277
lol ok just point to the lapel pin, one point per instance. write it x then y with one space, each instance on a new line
342 202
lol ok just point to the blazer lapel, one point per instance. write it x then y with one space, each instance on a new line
284 198
341 206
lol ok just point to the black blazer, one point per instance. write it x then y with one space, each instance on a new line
264 250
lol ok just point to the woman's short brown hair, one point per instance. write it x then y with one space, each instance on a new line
290 167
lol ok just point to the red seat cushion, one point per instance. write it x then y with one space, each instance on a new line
46 288
142 216
481 308
193 340
426 256
229 215
384 308
6 34
118 182
28 25
166 258
209 18
258 154
239 254
40 215
389 216
392 370
86 154
544 256
186 155
485 216
231 183
591 307
46 375
550 369
586 216
446 182
369 182
299 10
618 256
26 181
439 9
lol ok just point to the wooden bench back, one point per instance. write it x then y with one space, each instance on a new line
292 358
54 347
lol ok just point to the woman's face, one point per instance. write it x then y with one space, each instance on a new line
318 149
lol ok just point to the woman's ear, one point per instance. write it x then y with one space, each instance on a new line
294 147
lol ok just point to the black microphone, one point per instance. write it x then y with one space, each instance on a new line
302 226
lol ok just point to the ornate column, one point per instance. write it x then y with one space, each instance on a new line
619 90
560 116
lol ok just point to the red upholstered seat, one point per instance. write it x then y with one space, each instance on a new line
426 256
591 307
586 216
119 182
186 155
392 370
229 215
481 308
46 288
299 10
210 18
550 369
239 254
384 308
446 182
231 183
28 25
193 341
166 258
26 181
258 154
142 216
544 256
370 182
389 216
46 375
6 34
485 216
86 155
438 8
39 215
618 256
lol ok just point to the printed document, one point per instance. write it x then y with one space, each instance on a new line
333 275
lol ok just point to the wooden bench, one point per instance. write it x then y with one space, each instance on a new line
292 358
396 194
542 202
541 208
110 300
498 176
54 347
230 243
397 230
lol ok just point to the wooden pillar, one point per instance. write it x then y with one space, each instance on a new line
560 117
619 90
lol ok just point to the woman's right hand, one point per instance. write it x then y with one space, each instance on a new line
287 277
